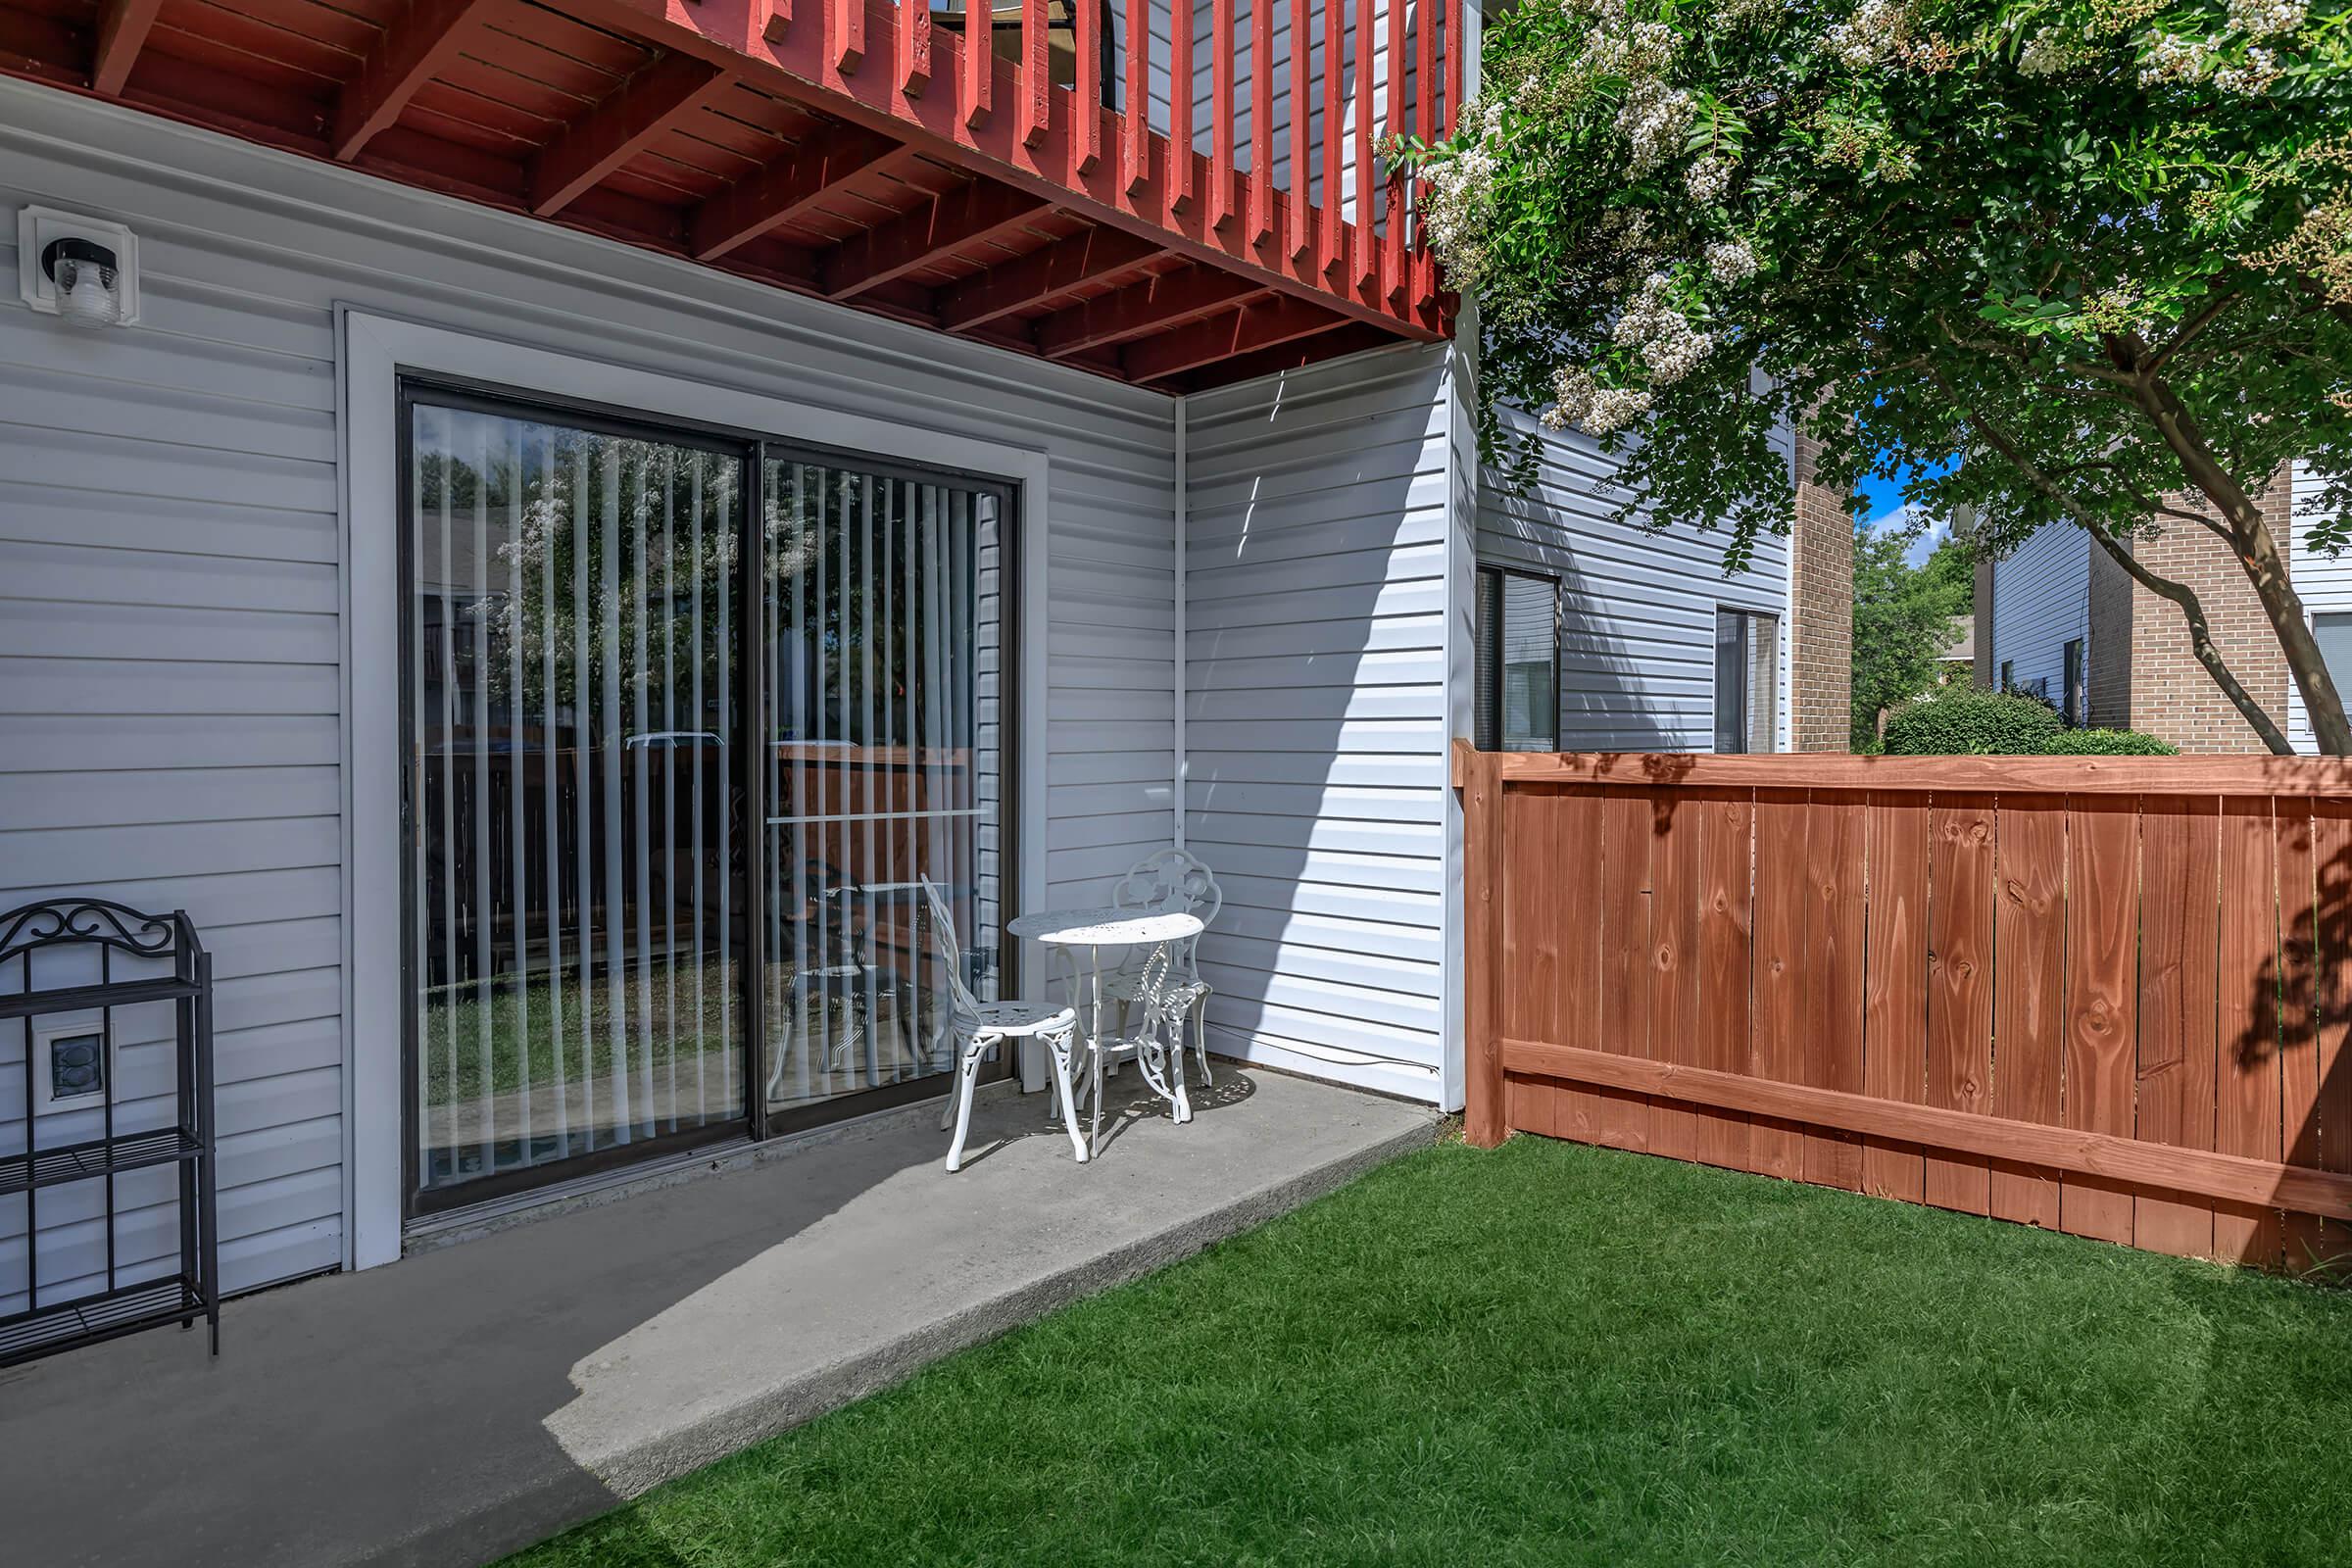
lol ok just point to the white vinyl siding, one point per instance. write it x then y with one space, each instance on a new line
1637 609
1318 713
2326 586
2040 602
171 696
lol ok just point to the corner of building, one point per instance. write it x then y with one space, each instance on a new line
1821 612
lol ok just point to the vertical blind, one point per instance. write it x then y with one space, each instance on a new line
1516 636
571 676
1747 683
882 745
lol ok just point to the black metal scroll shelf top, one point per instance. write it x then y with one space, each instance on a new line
106 1014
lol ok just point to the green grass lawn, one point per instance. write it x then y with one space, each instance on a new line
1553 1355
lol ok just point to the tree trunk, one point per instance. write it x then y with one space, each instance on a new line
2256 552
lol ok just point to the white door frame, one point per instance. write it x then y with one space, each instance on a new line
375 350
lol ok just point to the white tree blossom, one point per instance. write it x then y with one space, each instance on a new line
1655 117
1731 260
1707 180
1581 404
2267 18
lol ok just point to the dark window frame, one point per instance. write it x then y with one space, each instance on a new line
1485 703
1746 617
753 448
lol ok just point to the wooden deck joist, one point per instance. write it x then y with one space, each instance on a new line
848 149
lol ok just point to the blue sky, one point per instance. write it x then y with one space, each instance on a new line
1883 509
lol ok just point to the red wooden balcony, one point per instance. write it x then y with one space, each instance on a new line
1060 192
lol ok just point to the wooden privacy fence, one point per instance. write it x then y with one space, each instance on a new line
2111 995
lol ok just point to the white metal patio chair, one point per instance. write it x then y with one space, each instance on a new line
842 977
980 1027
1171 881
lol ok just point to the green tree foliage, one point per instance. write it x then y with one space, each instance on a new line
1902 625
1952 568
2099 250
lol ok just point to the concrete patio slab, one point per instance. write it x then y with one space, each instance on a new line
480 1395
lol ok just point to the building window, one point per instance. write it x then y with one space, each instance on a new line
2008 674
2073 712
1517 635
2333 630
1747 689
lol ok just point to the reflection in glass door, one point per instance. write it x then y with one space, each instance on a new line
573 879
883 736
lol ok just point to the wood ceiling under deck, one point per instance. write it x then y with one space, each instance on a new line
642 126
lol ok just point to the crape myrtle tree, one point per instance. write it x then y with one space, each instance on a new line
2097 251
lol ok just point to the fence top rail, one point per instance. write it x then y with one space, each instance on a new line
2073 775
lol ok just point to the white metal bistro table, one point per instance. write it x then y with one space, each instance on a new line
1090 931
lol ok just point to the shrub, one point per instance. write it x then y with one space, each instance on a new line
2108 743
1973 723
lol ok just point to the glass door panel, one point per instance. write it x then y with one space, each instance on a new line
882 741
572 687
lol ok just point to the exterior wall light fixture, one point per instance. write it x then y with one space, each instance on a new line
82 271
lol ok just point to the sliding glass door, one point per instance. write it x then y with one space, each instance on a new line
705 740
883 731
574 892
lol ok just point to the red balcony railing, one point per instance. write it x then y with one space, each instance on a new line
1172 202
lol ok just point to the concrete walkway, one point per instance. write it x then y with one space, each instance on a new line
474 1399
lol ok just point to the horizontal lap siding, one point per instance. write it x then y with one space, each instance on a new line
1638 633
169 640
2040 602
2326 585
1315 719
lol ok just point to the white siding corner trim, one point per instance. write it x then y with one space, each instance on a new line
375 350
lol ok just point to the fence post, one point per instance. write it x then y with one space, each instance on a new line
1478 777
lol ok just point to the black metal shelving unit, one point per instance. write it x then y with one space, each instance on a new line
80 936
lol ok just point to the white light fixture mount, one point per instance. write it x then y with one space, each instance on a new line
83 270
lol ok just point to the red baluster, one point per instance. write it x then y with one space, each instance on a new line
1180 105
1453 64
1138 125
1220 113
1301 235
1261 120
1392 239
976 80
1036 75
1335 66
1425 126
915 46
1366 258
1086 97
846 20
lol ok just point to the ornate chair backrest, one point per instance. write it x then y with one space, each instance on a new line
950 950
1171 882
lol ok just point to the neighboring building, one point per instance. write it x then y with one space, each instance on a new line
589 512
1607 637
2061 619
1957 663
